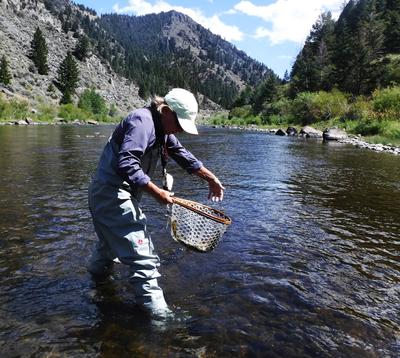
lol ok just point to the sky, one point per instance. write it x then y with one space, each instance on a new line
270 31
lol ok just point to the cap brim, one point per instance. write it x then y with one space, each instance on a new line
188 126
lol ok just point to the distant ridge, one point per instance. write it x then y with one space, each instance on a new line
183 53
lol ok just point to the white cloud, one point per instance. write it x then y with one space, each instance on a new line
285 57
213 23
291 20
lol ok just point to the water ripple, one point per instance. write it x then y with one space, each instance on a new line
309 267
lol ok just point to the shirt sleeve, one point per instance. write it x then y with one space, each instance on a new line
134 144
181 155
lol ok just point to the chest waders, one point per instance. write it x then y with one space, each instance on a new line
121 227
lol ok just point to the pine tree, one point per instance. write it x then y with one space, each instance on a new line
265 92
313 67
359 46
371 40
392 17
244 98
82 48
5 75
286 77
39 52
68 77
344 50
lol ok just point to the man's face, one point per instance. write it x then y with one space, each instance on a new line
170 121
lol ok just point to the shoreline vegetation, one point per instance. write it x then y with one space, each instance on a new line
361 122
373 119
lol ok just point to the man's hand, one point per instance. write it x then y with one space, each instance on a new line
162 196
216 190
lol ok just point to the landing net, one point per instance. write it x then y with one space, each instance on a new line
196 225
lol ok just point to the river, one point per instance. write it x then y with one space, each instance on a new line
309 267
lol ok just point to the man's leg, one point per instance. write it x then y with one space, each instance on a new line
101 261
127 239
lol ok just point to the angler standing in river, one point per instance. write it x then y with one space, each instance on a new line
124 172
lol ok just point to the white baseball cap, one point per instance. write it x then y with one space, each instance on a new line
183 103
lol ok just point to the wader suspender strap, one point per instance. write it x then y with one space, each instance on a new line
164 158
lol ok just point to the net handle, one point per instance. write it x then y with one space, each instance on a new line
186 204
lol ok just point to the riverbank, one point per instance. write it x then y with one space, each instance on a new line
328 134
58 121
375 143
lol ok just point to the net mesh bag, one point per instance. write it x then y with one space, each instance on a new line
196 225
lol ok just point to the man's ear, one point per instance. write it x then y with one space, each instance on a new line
165 110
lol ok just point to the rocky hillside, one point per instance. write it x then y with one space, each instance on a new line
18 22
131 57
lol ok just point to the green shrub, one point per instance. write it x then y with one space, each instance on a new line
277 112
240 112
359 110
90 101
386 102
18 109
301 108
310 107
368 127
390 66
236 121
3 106
276 119
253 121
46 112
391 129
217 121
70 112
113 111
328 105
51 88
14 109
378 131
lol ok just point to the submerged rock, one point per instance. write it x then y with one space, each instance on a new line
21 122
280 132
334 134
291 131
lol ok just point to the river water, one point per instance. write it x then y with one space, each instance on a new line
309 267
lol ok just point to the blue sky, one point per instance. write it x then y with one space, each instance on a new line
270 31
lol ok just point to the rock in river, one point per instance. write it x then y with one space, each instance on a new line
334 134
291 131
280 132
310 132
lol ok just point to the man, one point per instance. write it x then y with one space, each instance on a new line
124 172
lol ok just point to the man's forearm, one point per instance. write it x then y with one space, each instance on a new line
159 194
205 174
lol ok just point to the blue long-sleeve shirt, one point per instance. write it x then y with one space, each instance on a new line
139 133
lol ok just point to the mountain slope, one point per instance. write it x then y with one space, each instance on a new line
183 53
131 58
18 22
